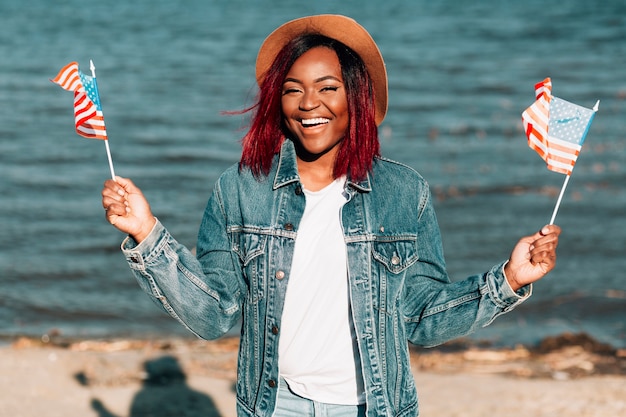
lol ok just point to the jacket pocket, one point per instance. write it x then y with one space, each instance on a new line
393 255
250 248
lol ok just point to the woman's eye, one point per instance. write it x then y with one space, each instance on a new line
290 91
330 88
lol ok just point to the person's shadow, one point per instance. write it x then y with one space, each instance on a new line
165 393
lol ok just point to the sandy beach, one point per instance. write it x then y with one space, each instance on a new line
568 375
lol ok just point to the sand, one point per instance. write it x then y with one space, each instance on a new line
159 378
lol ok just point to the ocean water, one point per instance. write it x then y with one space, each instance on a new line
459 77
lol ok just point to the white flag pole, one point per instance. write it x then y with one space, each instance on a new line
106 141
558 202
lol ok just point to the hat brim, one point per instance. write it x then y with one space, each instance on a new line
341 28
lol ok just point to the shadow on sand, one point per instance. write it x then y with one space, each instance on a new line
165 393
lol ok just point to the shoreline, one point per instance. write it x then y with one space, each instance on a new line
568 374
576 354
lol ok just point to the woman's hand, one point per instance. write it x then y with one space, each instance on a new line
533 257
127 209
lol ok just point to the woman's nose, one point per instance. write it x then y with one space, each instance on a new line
310 100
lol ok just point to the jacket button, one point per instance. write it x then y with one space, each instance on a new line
298 190
280 274
289 227
271 383
274 330
395 260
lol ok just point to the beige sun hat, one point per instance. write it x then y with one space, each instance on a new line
341 28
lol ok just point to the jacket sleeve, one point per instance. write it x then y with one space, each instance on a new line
203 292
437 310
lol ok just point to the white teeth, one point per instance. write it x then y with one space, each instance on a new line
316 121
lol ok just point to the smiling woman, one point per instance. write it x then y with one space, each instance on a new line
331 254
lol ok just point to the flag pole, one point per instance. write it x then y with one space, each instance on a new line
92 67
558 202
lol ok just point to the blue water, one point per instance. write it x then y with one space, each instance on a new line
459 77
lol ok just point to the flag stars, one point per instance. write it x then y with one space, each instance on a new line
90 88
568 121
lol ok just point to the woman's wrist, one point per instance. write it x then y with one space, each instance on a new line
508 275
145 231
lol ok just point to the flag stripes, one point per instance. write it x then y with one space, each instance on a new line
68 77
561 155
88 116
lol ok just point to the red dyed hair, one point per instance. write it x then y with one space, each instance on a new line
267 130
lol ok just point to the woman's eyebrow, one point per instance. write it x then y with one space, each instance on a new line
317 80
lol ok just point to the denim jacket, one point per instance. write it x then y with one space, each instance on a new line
399 288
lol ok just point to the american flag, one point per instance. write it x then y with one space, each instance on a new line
87 109
556 128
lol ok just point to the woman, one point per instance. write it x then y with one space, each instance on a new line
329 253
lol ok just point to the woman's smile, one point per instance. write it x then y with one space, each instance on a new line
314 122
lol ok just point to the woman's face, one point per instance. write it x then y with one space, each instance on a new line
315 104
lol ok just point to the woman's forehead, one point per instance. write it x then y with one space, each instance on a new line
317 63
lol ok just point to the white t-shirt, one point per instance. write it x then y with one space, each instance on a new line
318 356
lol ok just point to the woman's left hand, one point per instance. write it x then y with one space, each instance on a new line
533 257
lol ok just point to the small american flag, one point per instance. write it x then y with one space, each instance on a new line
87 109
556 128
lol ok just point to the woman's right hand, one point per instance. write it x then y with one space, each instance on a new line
127 209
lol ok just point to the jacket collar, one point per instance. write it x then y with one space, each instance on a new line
287 170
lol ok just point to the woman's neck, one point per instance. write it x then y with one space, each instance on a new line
315 175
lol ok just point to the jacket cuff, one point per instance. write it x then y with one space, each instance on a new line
502 292
136 253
